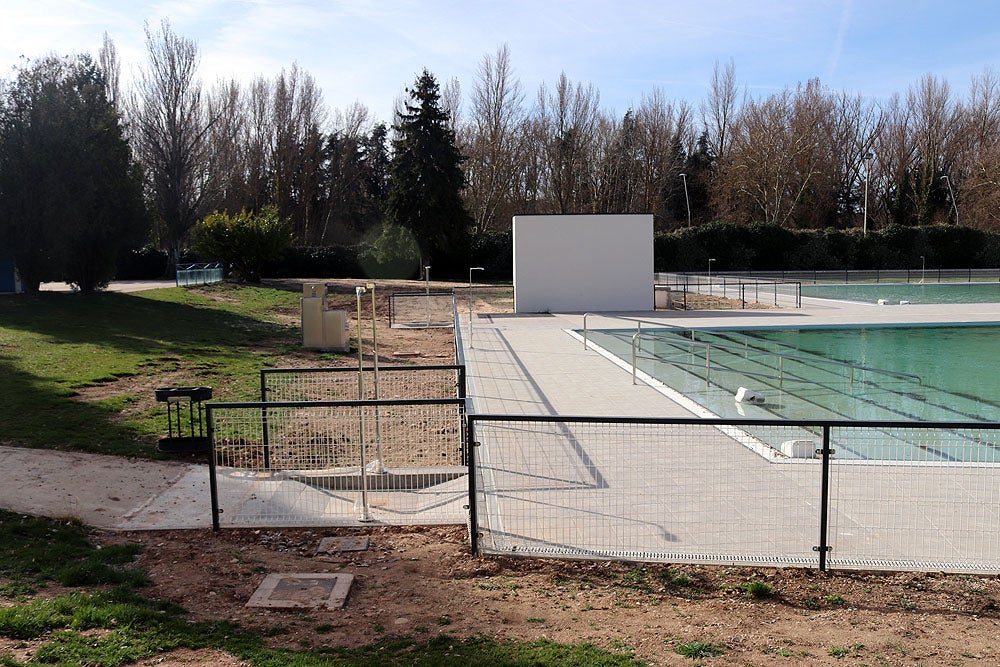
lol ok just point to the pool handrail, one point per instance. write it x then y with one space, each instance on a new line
637 338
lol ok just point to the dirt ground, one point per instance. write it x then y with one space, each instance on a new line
421 582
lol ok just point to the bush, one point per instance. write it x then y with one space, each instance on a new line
245 241
394 254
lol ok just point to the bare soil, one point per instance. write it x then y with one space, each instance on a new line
421 582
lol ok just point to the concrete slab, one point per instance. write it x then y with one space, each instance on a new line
303 591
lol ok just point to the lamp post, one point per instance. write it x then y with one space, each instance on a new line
868 169
471 269
711 259
686 199
923 269
951 193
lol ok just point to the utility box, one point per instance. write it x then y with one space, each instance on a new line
662 297
322 328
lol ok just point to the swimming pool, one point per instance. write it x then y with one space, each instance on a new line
893 293
871 373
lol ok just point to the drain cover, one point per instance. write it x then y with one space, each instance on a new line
303 591
329 546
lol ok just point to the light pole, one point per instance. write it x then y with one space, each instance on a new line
868 169
711 259
923 268
471 269
686 200
951 193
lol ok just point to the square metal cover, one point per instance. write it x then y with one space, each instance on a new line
303 591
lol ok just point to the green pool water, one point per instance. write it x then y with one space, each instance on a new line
912 292
871 373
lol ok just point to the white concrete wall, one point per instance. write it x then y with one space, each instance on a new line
580 263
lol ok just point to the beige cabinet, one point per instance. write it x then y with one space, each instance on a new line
322 329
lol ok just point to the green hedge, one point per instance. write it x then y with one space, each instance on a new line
755 247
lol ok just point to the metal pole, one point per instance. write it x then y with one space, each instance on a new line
471 269
212 484
712 259
824 500
365 516
379 466
473 513
427 299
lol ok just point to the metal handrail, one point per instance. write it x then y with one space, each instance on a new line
637 338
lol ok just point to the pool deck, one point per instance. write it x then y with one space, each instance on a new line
528 364
705 497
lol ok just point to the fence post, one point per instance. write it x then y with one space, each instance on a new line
265 429
470 447
212 487
824 500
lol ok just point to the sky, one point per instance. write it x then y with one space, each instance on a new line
368 51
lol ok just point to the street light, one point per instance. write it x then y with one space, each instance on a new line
471 269
868 169
923 268
711 259
427 299
686 200
952 194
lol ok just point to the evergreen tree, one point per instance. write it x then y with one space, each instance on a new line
70 194
426 180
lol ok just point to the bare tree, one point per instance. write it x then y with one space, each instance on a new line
493 141
170 126
978 168
718 111
568 120
110 67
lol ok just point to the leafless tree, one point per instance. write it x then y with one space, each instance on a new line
719 109
170 125
110 66
493 141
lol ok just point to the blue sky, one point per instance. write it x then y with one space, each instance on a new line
369 50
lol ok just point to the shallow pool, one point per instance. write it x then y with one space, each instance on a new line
870 373
893 293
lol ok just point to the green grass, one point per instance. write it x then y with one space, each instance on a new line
696 650
758 590
53 346
105 622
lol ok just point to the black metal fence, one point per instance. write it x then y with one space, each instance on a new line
422 310
344 383
737 491
744 290
322 463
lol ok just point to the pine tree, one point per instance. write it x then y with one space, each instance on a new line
426 180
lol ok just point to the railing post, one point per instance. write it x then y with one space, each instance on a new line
470 447
264 427
824 501
585 331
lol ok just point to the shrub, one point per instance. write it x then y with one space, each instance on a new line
245 241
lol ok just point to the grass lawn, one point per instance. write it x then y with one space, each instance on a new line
99 617
54 347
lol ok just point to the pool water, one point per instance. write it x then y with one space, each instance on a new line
893 293
869 373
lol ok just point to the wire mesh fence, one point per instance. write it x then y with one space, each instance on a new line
343 383
338 463
741 291
914 275
712 491
422 310
199 274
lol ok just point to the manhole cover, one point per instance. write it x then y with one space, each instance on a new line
329 546
303 591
